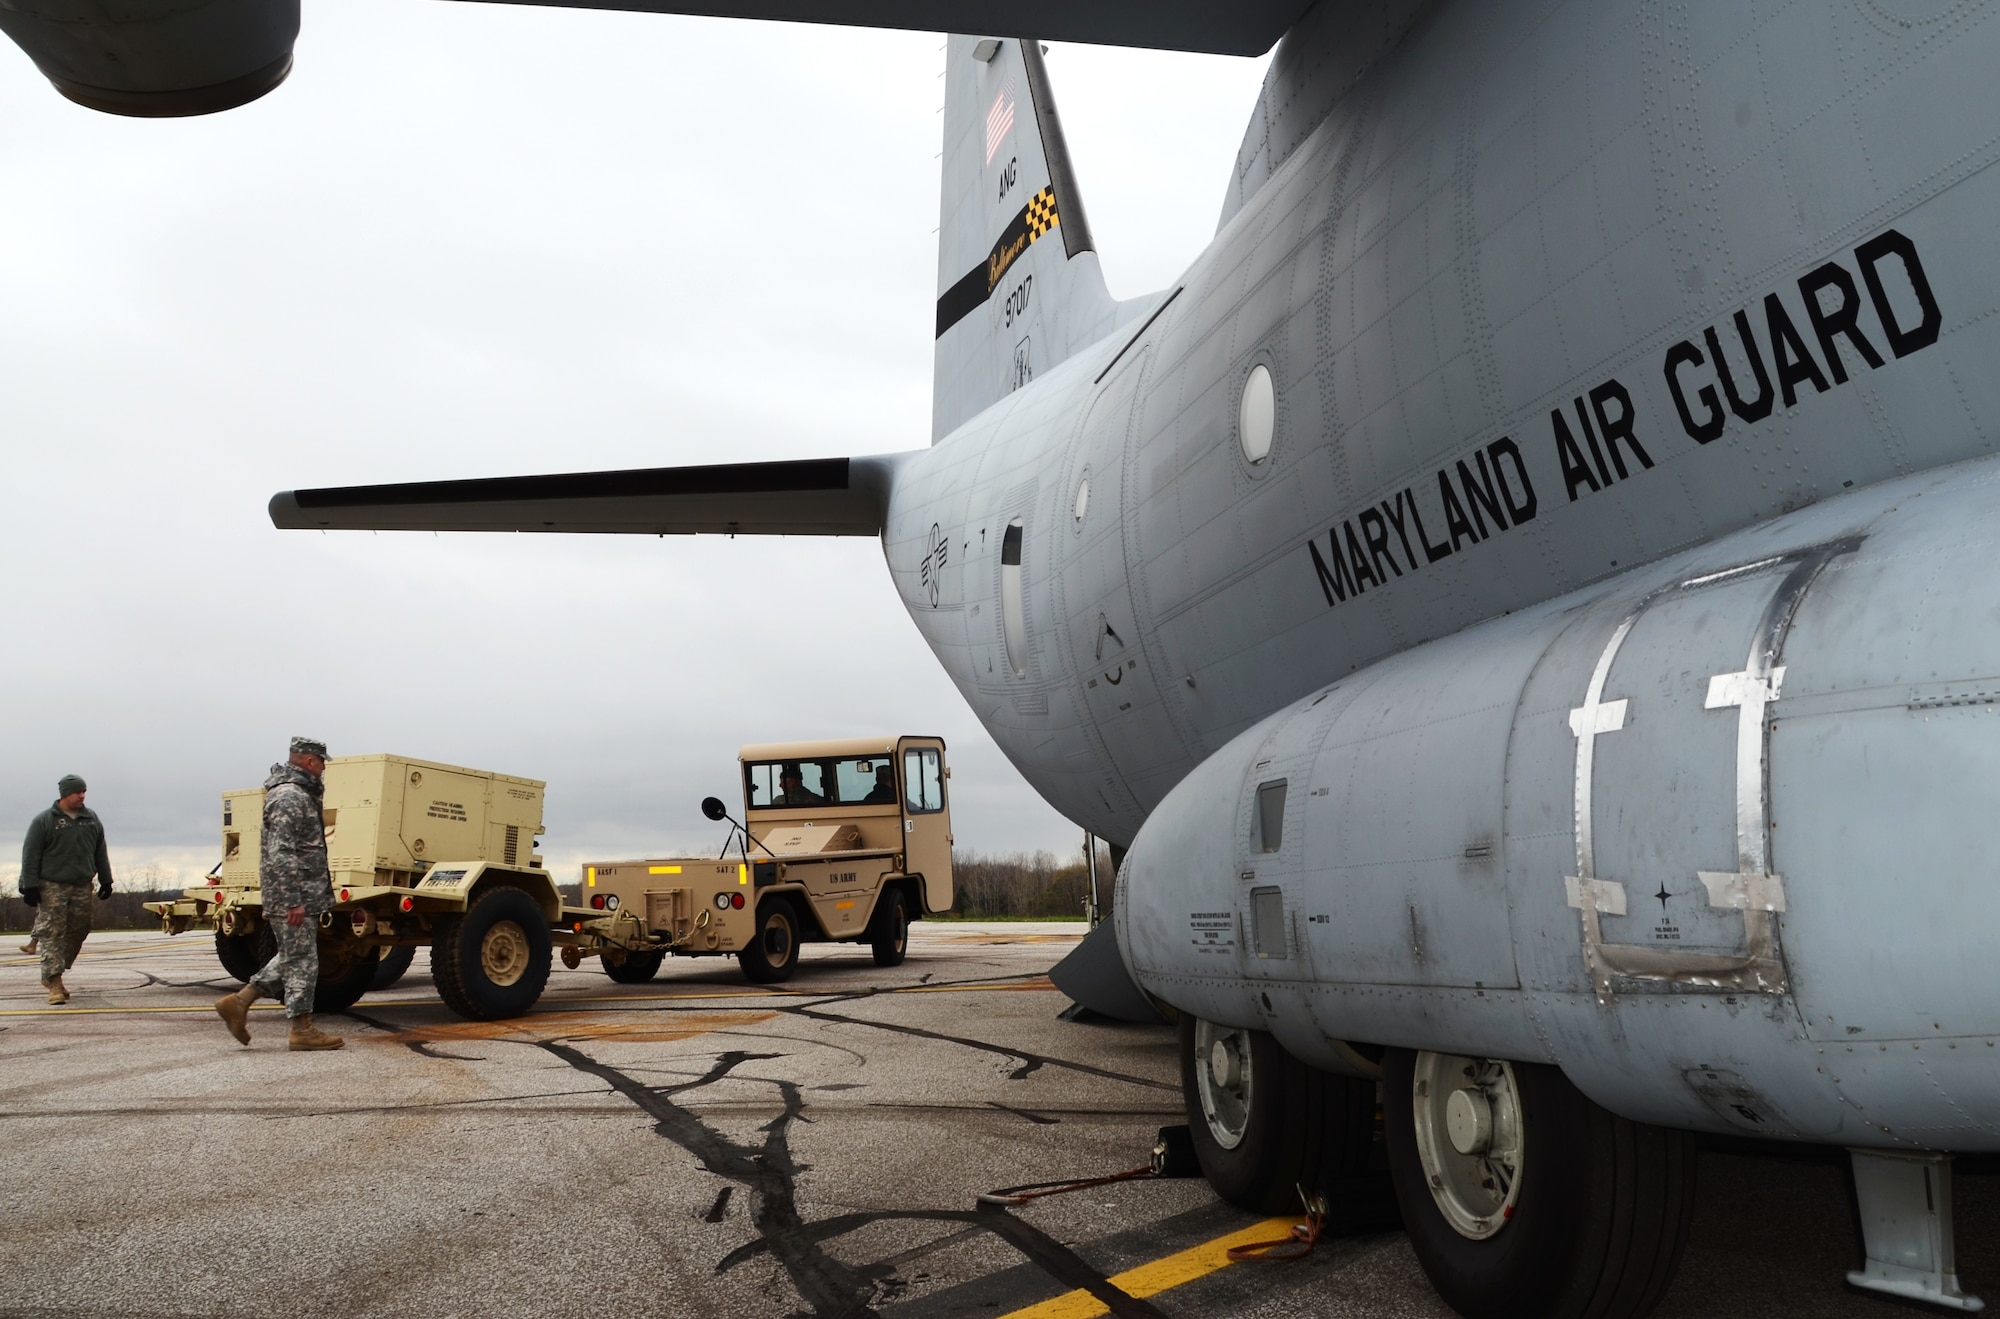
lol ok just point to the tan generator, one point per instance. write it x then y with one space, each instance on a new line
847 841
420 853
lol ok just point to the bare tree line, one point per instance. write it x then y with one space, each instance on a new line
987 886
1041 885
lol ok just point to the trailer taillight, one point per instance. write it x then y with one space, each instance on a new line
408 904
736 901
345 895
597 901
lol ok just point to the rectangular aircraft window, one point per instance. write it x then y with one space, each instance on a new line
923 780
1267 921
1271 815
1013 624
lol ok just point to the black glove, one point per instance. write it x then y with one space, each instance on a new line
103 889
32 896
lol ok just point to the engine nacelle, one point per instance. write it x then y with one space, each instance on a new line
157 58
1713 836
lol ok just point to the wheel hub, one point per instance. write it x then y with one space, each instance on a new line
503 953
1470 1138
1225 1068
1223 1079
1468 1120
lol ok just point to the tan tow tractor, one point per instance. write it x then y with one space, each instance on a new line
842 841
421 853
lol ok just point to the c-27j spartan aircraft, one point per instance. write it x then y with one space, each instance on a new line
846 841
1524 597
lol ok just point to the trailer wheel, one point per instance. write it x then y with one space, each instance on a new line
1265 1124
1521 1196
636 969
394 962
239 955
773 953
493 961
889 928
343 977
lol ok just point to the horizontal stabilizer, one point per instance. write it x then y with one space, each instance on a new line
1246 27
807 497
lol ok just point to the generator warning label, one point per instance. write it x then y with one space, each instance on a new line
446 810
1214 931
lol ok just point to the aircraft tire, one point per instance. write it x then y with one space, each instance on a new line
492 962
1266 1125
773 953
395 960
636 969
239 955
1560 1209
889 928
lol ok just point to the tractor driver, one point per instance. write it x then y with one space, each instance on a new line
884 793
792 788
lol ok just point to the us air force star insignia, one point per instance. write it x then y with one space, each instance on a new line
934 557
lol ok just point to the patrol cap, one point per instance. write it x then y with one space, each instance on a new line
70 783
307 746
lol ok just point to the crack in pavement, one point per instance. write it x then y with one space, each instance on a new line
833 1289
1030 1062
426 1048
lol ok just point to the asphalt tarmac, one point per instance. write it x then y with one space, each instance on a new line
697 1147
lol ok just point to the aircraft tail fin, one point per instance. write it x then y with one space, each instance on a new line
1019 287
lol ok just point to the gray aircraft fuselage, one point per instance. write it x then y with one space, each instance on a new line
1622 355
1477 283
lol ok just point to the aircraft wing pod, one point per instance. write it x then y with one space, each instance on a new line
806 497
1248 27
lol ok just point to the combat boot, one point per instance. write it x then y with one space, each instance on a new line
305 1035
234 1009
54 984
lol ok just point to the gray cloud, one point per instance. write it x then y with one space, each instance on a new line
473 240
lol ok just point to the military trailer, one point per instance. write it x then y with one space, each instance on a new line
421 853
847 841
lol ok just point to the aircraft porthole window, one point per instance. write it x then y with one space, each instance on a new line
1082 498
1257 415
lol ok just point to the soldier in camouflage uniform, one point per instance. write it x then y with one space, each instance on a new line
63 852
297 888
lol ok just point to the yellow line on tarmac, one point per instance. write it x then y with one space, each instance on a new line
1039 983
54 1011
1161 1275
552 1004
100 954
559 1003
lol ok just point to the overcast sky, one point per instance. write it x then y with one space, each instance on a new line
469 240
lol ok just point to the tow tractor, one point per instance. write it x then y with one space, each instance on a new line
841 841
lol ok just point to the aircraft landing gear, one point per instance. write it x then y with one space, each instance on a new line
1522 1197
1266 1125
1905 1201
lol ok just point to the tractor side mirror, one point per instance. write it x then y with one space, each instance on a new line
713 808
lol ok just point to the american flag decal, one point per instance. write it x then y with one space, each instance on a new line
999 120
